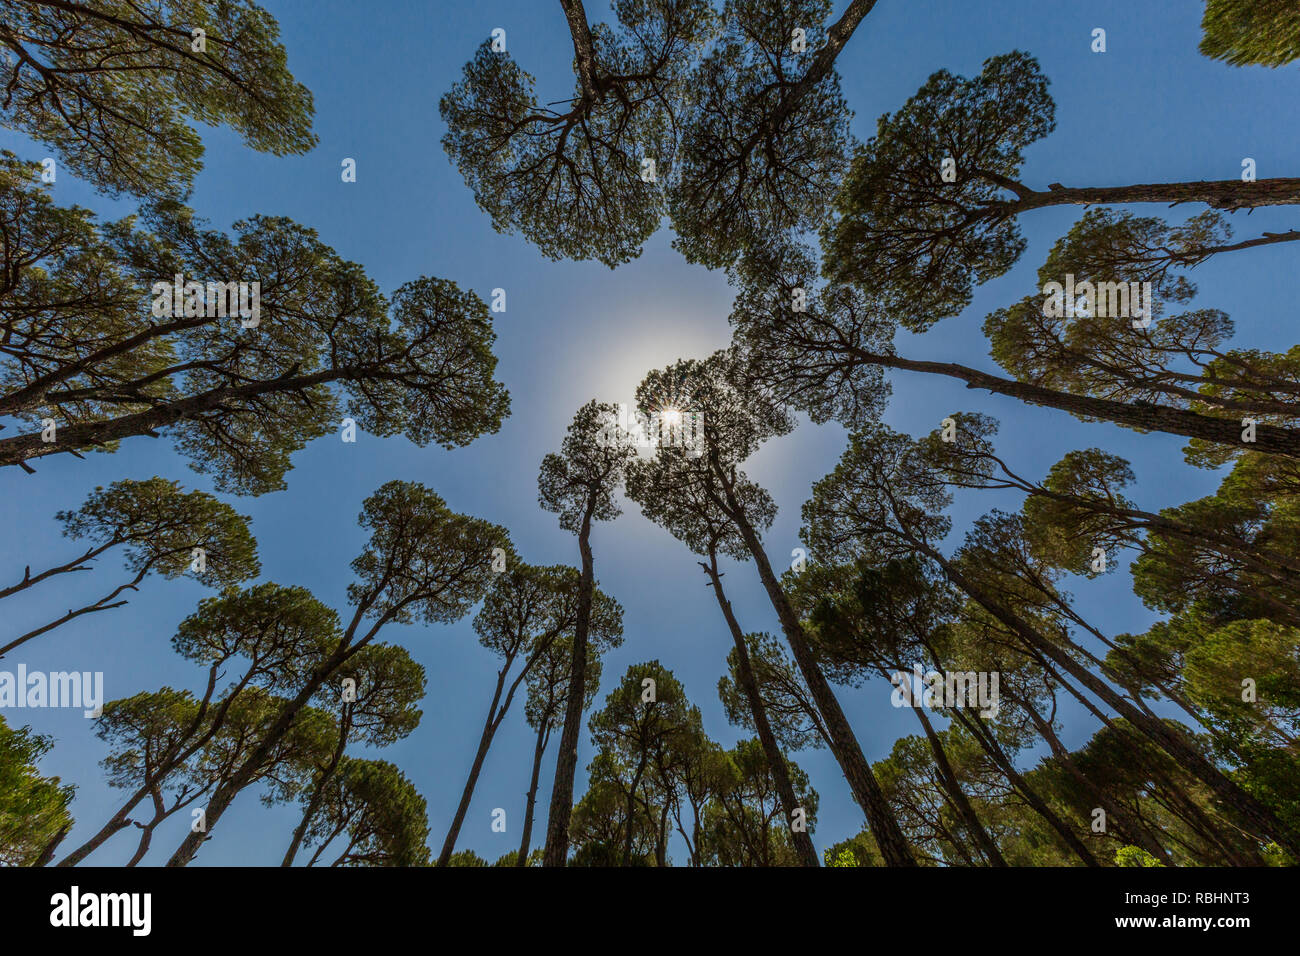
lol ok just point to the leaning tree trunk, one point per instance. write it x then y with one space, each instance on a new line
543 735
318 791
848 753
958 796
1230 194
467 794
631 810
230 788
1160 733
1270 439
775 759
557 824
1131 830
995 752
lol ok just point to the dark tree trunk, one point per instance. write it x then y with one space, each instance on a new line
21 448
543 735
146 837
776 760
631 810
824 59
1229 194
848 753
1270 439
1131 831
584 51
1155 729
566 762
958 796
1037 804
467 794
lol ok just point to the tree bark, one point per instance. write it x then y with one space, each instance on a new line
1036 803
1155 729
543 735
584 50
557 824
1270 439
484 742
1229 194
776 760
1131 831
631 809
848 753
824 59
21 448
958 796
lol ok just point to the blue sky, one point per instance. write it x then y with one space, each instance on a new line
1150 109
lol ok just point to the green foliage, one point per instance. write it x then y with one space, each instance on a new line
745 824
786 699
158 526
466 858
579 483
389 687
86 350
376 816
1135 856
33 808
1251 32
766 141
283 632
423 561
921 241
859 850
108 124
571 180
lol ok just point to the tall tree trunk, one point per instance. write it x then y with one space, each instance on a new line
318 789
1131 831
1270 439
991 747
484 742
1155 729
21 448
584 50
775 759
631 810
661 842
848 753
823 60
1227 194
955 793
543 735
566 762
